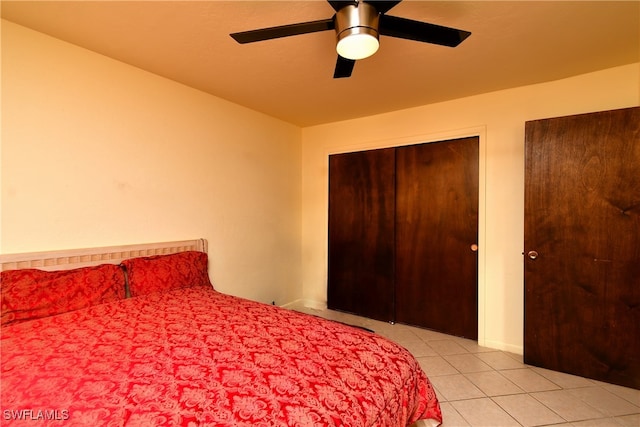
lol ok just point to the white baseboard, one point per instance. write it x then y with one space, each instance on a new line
498 345
316 305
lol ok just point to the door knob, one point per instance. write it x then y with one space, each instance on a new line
533 254
474 248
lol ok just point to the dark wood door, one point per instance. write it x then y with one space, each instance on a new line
582 245
361 233
436 230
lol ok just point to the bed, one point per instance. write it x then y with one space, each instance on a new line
136 335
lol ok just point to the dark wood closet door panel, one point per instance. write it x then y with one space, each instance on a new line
582 245
436 226
361 230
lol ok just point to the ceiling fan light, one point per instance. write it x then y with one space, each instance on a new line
357 44
357 31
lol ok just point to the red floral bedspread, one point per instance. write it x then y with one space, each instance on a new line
195 357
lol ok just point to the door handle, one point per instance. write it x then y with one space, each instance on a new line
532 254
474 248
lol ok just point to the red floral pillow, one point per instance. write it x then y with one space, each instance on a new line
31 294
161 273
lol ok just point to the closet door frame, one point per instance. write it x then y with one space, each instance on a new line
480 132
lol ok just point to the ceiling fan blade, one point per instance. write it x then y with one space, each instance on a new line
382 6
283 31
344 67
421 31
337 5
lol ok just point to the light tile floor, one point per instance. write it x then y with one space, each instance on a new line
479 386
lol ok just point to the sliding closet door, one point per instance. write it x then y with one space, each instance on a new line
361 233
582 245
437 235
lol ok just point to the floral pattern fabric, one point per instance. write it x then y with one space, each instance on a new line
196 357
160 273
31 293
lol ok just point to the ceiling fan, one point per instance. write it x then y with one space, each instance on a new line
358 24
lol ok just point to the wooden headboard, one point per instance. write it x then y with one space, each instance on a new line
75 258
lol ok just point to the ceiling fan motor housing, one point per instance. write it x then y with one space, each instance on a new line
357 31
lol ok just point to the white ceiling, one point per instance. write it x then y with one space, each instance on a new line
513 43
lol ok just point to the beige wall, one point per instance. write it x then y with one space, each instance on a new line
499 119
95 152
